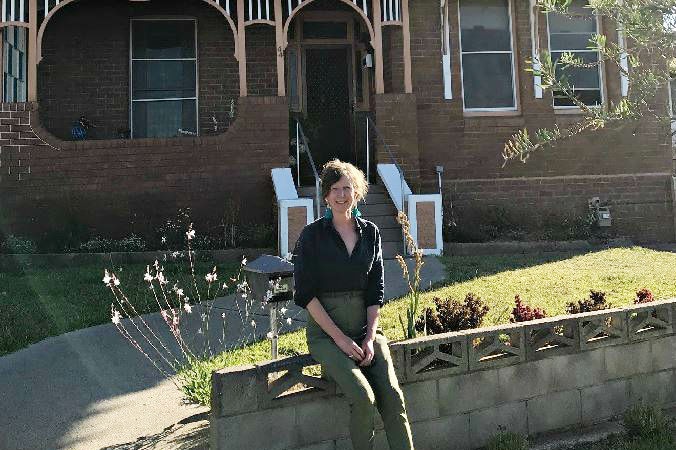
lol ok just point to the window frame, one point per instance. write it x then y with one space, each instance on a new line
600 68
131 70
512 41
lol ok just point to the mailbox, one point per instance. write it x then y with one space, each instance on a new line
271 281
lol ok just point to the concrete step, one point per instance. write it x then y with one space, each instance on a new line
385 222
392 249
390 234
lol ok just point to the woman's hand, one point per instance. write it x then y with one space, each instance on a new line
367 348
350 348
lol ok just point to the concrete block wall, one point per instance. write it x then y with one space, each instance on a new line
531 378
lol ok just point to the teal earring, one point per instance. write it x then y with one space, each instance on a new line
328 213
356 212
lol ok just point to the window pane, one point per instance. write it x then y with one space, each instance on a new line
163 79
581 77
588 97
164 118
484 25
569 41
163 39
324 30
487 81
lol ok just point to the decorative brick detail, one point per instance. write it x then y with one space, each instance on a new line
85 65
121 186
297 221
427 228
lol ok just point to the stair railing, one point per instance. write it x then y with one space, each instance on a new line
300 135
371 124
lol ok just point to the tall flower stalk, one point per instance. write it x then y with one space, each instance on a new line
412 279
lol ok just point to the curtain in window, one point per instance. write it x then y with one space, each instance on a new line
164 78
571 34
486 54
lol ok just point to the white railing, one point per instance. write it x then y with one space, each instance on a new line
391 10
15 10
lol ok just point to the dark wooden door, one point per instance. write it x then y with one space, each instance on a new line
328 121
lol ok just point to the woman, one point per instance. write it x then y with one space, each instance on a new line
338 276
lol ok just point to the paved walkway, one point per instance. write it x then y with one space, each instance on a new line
89 389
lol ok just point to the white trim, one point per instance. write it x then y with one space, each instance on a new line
413 200
510 52
392 180
535 49
284 205
282 181
601 77
446 52
131 73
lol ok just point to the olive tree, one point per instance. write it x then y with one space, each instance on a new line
643 53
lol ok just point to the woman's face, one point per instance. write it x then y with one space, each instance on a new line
341 198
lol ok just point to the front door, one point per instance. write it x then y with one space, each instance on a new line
328 120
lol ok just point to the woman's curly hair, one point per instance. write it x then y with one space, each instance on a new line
335 169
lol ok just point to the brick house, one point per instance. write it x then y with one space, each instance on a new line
195 101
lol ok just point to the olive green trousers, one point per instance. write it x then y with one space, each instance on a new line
366 388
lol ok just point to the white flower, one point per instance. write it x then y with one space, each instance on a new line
244 295
244 262
289 256
222 315
269 335
161 279
253 323
225 286
106 277
268 296
164 239
203 316
283 311
116 282
179 292
200 331
190 234
175 254
147 277
288 320
187 307
210 277
116 317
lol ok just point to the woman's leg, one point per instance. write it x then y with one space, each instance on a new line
356 387
389 398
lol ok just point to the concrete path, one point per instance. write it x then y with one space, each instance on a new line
90 389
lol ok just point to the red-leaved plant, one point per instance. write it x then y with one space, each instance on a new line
524 313
643 296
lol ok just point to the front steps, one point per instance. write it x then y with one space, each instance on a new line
379 209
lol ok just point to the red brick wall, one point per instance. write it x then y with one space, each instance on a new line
393 59
261 60
85 65
118 186
611 164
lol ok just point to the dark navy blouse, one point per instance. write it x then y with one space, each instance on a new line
322 264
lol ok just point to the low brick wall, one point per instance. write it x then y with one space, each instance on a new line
532 378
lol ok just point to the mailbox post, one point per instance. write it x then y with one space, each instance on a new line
271 281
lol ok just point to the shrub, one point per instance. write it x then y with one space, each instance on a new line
595 302
505 440
99 244
451 315
643 296
524 313
646 422
16 244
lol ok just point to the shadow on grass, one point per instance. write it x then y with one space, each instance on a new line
466 268
191 433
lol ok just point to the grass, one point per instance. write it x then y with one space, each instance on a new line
544 280
36 303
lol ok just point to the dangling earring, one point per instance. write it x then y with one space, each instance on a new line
328 213
356 212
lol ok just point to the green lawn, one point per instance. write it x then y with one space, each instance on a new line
545 280
36 303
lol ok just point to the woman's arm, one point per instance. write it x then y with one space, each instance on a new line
347 345
372 316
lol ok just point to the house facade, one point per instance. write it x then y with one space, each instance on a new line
192 103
